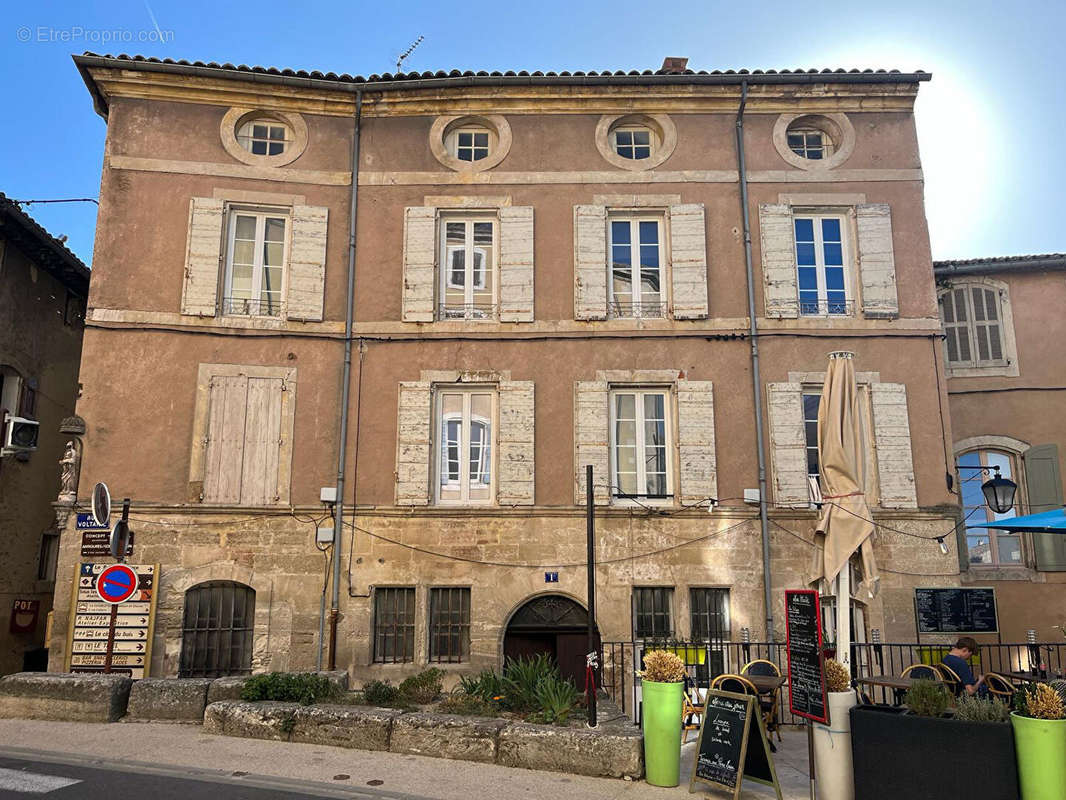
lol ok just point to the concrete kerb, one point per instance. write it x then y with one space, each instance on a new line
77 697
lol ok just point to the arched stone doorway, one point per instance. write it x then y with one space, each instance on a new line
555 625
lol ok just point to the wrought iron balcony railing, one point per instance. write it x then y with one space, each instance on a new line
617 310
475 311
239 306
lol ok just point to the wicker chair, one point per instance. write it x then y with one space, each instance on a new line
692 707
951 679
999 687
924 671
761 666
741 685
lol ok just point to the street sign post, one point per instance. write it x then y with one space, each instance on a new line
101 505
108 634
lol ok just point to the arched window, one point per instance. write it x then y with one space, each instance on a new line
988 547
216 631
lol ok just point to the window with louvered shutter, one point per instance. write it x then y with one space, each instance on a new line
972 318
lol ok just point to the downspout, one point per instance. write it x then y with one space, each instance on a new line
756 379
346 379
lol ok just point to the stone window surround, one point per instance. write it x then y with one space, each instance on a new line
1006 327
484 386
420 657
837 126
235 117
197 467
660 124
499 140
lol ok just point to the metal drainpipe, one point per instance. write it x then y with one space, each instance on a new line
756 379
338 519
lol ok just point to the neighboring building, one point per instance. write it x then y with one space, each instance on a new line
43 287
1006 365
549 273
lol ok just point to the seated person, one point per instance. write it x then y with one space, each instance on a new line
957 659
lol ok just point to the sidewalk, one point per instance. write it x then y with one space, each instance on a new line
177 745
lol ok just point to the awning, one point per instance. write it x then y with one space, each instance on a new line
1053 521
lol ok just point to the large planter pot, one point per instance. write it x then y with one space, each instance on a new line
662 732
1041 748
832 750
901 755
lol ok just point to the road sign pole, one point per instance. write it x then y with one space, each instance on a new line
591 659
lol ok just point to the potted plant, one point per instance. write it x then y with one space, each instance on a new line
918 750
663 687
832 742
1039 721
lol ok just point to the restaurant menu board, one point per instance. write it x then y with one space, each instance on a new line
724 755
806 667
956 610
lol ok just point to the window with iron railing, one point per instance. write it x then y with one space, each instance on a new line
394 625
216 631
467 268
635 246
652 612
255 263
822 265
449 625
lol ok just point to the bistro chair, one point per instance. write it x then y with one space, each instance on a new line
923 671
951 679
761 666
999 687
741 685
692 707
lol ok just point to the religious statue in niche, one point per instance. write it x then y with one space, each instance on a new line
69 466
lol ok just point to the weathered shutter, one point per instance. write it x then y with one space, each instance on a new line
695 414
592 440
227 413
877 266
1044 483
590 262
780 290
515 485
788 446
202 257
516 264
988 340
892 441
688 261
262 442
413 443
419 260
307 263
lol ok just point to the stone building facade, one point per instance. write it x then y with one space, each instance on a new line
1005 367
549 272
43 287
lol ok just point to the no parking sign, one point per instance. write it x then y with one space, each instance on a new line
116 584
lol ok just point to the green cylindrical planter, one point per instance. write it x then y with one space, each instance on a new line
1041 748
663 703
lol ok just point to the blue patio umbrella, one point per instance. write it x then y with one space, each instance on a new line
1053 521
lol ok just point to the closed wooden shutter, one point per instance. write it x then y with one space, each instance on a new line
777 243
788 446
988 340
413 443
307 263
877 265
516 264
202 257
262 441
590 262
892 441
695 413
516 444
591 424
688 261
419 263
1043 481
225 439
955 314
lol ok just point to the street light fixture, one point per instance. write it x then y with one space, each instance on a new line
998 491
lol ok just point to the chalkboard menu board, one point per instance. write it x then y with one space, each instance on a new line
806 668
956 610
724 755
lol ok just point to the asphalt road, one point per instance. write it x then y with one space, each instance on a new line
41 774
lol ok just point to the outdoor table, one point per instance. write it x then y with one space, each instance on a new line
897 684
1024 677
766 684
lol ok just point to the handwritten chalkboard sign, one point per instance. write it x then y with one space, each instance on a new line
806 667
956 610
723 755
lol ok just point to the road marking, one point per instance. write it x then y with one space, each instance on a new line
14 780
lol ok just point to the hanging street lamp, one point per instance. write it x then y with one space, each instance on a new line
998 491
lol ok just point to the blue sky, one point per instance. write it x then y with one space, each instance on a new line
988 123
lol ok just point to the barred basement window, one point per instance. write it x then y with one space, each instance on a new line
394 626
216 635
652 615
449 625
710 614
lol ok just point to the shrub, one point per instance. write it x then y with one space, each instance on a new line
837 678
488 685
380 693
521 677
425 687
1043 702
298 687
662 667
467 704
557 697
979 709
927 699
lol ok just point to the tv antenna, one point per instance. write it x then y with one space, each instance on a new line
408 52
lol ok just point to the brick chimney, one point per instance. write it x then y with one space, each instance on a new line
673 65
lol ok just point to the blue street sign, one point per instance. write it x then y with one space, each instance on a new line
551 577
87 523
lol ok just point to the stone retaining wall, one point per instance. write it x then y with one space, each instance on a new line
79 697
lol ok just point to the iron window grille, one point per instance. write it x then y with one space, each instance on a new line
651 310
240 306
216 636
479 311
652 616
449 625
710 614
394 626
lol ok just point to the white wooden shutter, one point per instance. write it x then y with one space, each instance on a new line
413 443
516 264
877 266
262 442
695 414
688 261
202 257
780 291
590 262
892 440
1043 481
307 263
788 446
223 462
591 440
515 485
419 263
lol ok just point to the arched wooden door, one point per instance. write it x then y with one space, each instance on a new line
555 625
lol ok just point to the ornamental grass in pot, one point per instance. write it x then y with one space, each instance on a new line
1039 721
832 742
663 687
